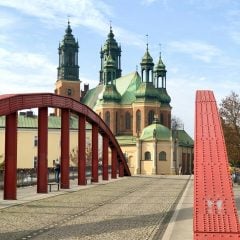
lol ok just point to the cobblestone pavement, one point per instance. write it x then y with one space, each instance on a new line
132 208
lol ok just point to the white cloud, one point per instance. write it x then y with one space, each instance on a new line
95 15
30 61
25 72
148 2
84 12
198 50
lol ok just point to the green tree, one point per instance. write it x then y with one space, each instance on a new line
230 117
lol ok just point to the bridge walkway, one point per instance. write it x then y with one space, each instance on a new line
135 207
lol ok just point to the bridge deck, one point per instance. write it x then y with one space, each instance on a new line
124 208
215 215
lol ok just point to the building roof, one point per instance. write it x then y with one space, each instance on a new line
184 140
126 140
126 86
54 122
91 97
157 131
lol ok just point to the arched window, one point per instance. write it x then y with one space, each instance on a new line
150 117
138 120
162 156
107 118
147 156
127 120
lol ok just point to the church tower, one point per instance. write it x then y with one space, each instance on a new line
146 106
68 83
112 48
160 84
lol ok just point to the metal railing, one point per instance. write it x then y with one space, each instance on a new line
28 176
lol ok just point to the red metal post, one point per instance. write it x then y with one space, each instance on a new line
105 157
42 166
10 175
121 169
94 153
81 150
114 163
64 148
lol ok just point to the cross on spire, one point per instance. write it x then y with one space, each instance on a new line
110 22
147 40
160 47
68 19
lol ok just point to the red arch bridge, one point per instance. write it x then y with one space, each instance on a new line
215 214
9 107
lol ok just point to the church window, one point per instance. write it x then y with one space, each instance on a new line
162 156
127 120
147 156
69 92
150 117
107 118
138 119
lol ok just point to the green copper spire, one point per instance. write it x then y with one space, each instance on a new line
68 68
147 67
160 82
110 46
160 73
147 59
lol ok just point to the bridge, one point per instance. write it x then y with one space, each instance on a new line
9 107
214 211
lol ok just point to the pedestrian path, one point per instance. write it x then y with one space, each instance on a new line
138 207
29 193
127 208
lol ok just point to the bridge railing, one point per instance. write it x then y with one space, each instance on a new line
215 214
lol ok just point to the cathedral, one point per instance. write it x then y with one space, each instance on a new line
136 107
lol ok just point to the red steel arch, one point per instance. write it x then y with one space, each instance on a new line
9 106
215 214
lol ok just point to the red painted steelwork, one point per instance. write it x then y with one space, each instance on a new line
215 214
81 150
114 163
121 169
105 158
10 104
15 102
65 148
94 153
10 175
42 168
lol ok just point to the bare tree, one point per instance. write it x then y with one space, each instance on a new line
230 116
177 123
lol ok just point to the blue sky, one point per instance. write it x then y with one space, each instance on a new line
200 43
